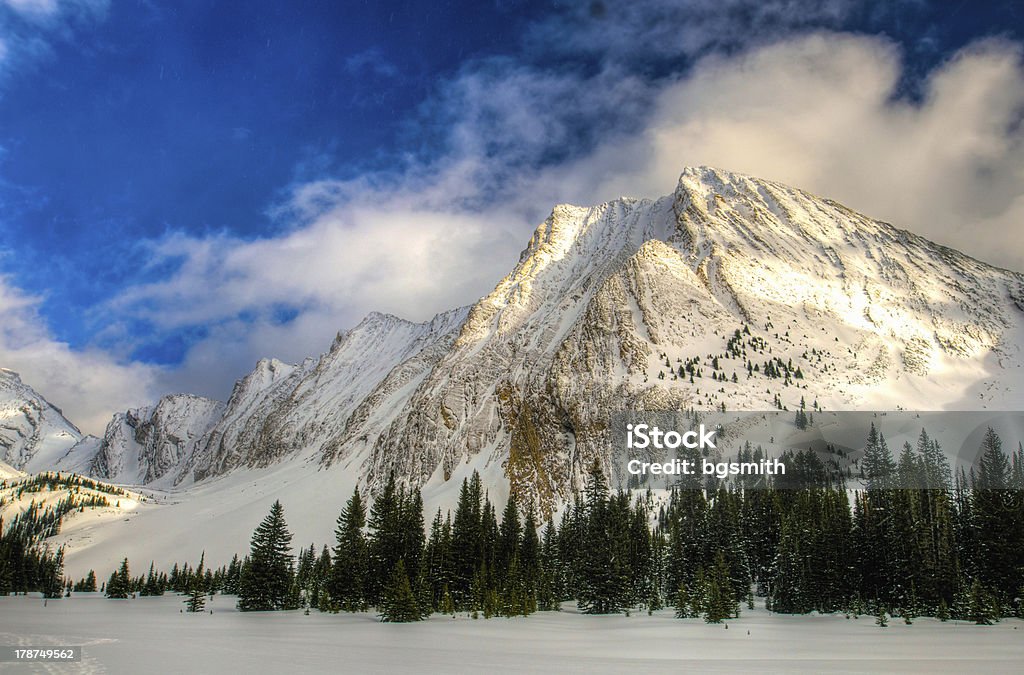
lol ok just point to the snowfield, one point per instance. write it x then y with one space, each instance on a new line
150 635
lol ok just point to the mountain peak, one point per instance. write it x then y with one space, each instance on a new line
35 433
10 375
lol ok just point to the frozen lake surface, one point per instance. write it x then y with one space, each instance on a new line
150 635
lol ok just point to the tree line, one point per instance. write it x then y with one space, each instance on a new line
915 541
27 564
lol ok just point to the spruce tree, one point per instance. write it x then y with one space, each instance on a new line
152 585
877 537
603 575
385 544
196 600
998 533
530 561
549 588
981 609
119 584
350 557
322 572
508 539
438 562
233 575
878 464
52 574
399 604
467 541
720 600
266 578
682 603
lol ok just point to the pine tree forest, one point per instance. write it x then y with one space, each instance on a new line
911 540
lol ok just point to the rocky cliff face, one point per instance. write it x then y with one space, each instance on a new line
732 292
150 445
239 437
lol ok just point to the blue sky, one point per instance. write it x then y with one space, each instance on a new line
188 186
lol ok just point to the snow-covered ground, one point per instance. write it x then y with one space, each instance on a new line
150 635
218 517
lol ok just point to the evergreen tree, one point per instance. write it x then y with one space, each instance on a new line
233 576
267 576
399 603
549 588
996 520
412 537
720 599
508 538
152 585
603 572
529 562
438 563
350 557
196 600
876 532
683 603
52 573
467 540
385 544
119 584
981 609
801 416
323 570
878 464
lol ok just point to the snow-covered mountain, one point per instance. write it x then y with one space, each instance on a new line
151 444
605 307
731 291
275 411
278 409
34 434
608 302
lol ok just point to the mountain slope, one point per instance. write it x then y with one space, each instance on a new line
34 434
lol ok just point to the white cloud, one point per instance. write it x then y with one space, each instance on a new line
641 30
818 112
821 113
33 8
29 27
383 252
372 61
41 11
87 385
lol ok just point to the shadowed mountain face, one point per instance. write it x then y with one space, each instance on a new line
732 291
